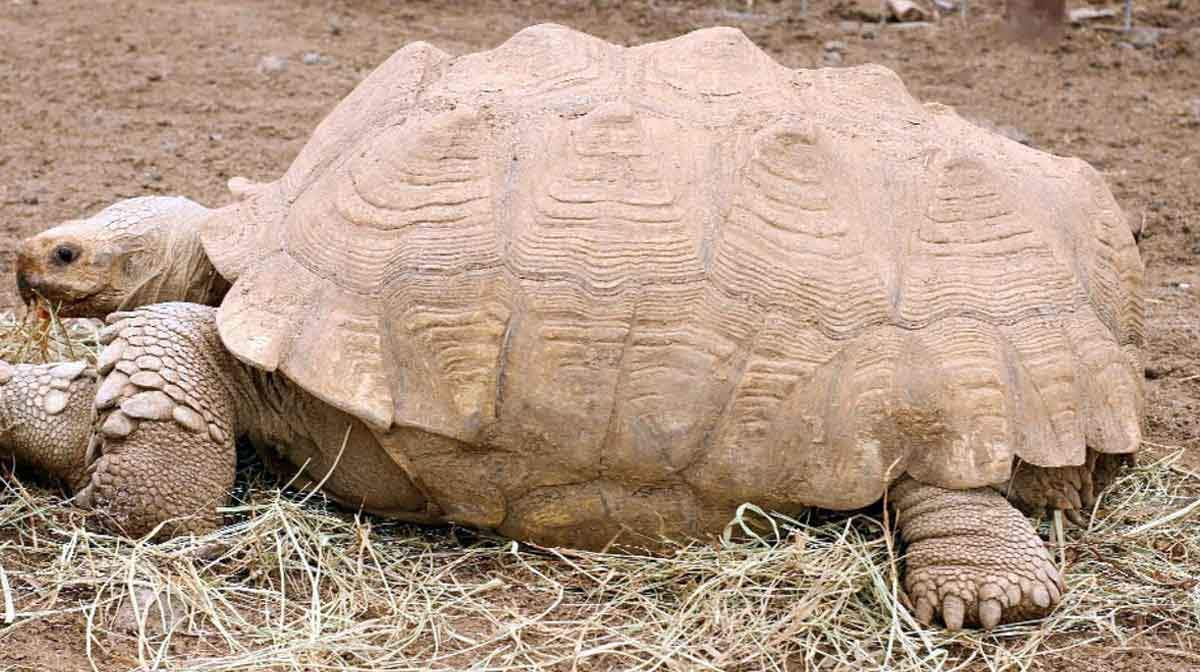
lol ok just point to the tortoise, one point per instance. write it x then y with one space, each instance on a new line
593 296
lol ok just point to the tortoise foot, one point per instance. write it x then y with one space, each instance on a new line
972 558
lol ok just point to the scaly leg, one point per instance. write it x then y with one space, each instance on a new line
1037 491
972 557
170 406
166 422
46 417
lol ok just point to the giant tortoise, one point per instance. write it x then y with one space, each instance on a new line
588 295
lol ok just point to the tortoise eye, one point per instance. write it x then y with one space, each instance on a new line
65 255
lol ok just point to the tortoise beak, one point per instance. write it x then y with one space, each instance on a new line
27 277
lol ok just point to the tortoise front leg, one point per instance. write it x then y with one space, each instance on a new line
45 417
166 423
972 557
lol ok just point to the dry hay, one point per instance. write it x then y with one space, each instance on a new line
294 584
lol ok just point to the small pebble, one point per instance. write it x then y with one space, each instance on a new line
271 65
311 58
1144 38
1156 372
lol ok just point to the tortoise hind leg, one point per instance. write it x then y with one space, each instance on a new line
1073 490
972 557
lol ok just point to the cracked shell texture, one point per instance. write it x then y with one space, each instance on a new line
684 266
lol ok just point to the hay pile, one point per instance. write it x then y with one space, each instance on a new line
294 584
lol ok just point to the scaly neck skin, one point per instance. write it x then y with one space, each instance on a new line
182 273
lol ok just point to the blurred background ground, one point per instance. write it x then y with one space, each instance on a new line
105 100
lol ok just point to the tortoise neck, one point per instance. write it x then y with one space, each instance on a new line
183 272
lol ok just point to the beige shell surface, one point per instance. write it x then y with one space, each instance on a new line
685 266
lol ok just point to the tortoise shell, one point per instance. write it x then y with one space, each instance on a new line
683 267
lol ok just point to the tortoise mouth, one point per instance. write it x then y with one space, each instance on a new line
64 301
25 289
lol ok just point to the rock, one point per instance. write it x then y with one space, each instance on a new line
311 58
334 25
832 52
850 26
1081 14
1144 38
861 10
905 10
271 65
1156 372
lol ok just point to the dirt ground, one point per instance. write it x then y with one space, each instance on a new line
105 100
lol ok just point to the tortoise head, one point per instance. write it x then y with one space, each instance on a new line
133 253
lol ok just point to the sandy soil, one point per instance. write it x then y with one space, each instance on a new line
102 101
